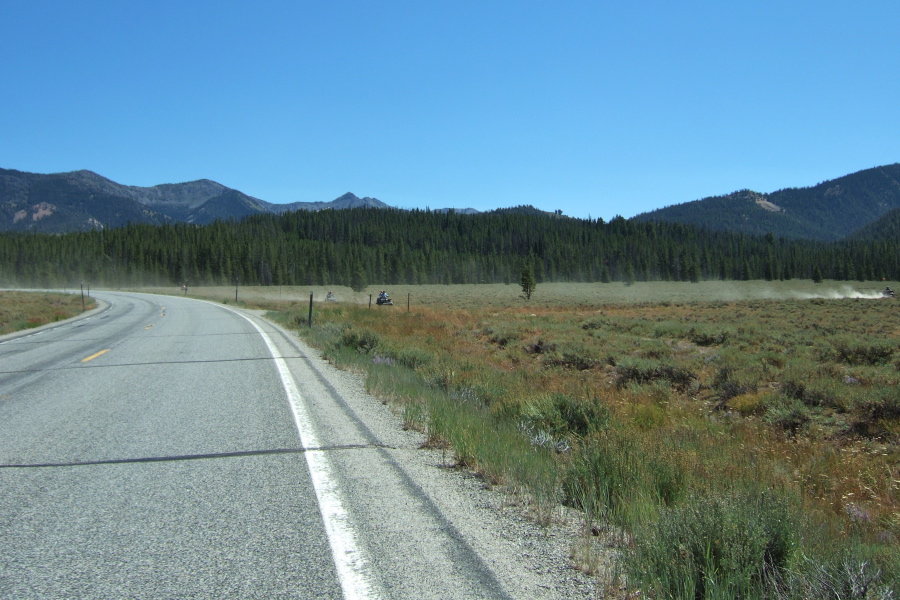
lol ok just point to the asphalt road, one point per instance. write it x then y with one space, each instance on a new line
171 448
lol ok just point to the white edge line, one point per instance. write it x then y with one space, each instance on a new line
351 565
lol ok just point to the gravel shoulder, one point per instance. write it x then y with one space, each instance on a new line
530 560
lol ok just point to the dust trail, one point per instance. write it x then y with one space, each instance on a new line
839 294
828 292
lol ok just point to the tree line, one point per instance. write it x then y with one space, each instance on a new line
361 246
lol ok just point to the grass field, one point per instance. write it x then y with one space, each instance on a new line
26 310
751 429
741 439
548 295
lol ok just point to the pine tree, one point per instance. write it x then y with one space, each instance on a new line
527 280
817 274
628 277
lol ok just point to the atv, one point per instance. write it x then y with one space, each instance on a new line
887 293
384 300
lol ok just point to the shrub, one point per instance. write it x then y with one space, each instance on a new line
854 352
560 416
594 324
850 578
715 547
540 347
707 338
412 358
579 358
647 372
362 340
786 412
580 417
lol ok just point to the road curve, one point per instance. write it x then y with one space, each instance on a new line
168 447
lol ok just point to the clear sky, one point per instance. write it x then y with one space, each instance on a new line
593 108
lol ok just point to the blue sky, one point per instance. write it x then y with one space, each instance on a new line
593 108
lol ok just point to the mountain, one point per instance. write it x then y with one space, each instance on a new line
883 229
348 200
84 200
829 211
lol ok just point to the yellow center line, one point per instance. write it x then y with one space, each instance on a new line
93 356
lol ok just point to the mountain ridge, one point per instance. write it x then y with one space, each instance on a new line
83 200
828 211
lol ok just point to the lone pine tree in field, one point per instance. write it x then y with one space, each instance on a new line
528 281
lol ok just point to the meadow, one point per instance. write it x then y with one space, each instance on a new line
721 439
741 438
26 310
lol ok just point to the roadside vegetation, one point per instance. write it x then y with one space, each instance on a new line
721 448
26 310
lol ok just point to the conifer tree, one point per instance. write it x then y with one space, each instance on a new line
527 280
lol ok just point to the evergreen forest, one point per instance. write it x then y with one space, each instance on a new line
358 247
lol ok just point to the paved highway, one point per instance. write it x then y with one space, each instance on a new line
165 447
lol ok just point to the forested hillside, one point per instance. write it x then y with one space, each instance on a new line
361 246
828 211
885 229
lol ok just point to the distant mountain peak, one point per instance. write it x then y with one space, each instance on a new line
83 200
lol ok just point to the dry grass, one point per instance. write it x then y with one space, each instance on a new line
484 339
696 390
26 310
547 295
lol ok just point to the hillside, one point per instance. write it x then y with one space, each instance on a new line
83 200
829 211
884 229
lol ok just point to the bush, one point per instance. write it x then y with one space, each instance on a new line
362 340
540 347
788 413
730 383
707 338
850 578
854 352
412 358
715 547
647 372
594 324
579 358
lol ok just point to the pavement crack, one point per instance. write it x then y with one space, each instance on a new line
148 363
187 457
